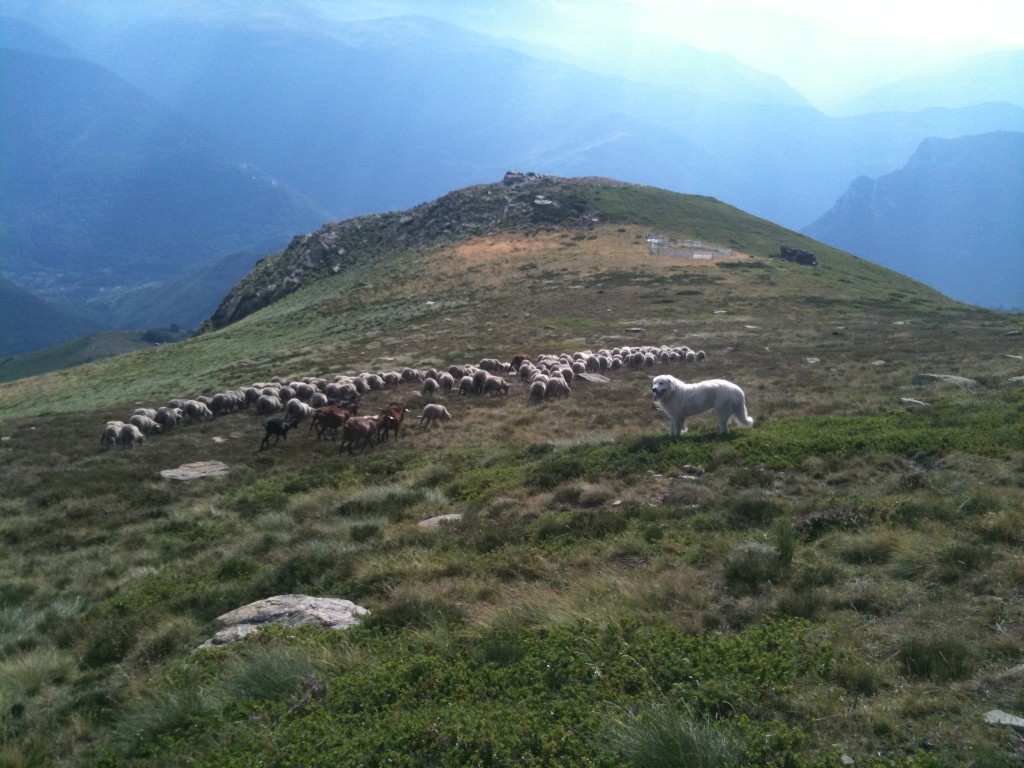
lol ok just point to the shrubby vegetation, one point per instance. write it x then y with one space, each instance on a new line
842 579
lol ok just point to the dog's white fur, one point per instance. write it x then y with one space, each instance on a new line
679 401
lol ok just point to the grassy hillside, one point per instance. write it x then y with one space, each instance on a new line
85 349
844 578
28 322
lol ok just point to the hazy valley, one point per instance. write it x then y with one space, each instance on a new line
166 144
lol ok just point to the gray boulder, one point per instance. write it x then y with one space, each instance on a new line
289 611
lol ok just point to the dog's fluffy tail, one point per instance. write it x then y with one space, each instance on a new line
745 420
744 417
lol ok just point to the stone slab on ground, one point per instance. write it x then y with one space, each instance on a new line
942 378
998 717
196 470
437 522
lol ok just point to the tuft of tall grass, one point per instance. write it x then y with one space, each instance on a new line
858 676
414 613
784 537
750 566
25 675
801 603
316 566
171 636
936 657
753 509
868 548
266 673
660 737
169 707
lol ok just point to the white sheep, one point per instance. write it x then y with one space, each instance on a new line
296 410
537 390
479 377
268 405
110 434
432 413
130 436
145 424
445 381
494 384
197 410
466 386
556 388
168 417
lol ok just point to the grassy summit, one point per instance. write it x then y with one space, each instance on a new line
842 579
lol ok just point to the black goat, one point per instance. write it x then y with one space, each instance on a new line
278 428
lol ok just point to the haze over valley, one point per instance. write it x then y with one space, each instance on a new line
143 146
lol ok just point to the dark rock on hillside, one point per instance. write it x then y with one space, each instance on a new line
798 256
520 200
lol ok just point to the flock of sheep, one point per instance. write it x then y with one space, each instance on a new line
287 402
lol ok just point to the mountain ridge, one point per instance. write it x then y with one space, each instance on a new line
111 189
991 77
472 256
954 200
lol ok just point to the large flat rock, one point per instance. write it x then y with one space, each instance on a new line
289 611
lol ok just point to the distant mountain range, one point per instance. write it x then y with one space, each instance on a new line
103 188
101 183
142 147
397 110
991 77
952 217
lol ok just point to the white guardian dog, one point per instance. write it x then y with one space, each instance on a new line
679 401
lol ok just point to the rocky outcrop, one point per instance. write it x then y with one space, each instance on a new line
289 611
511 204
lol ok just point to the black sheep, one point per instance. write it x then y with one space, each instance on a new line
278 428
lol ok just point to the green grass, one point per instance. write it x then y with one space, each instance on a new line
600 601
